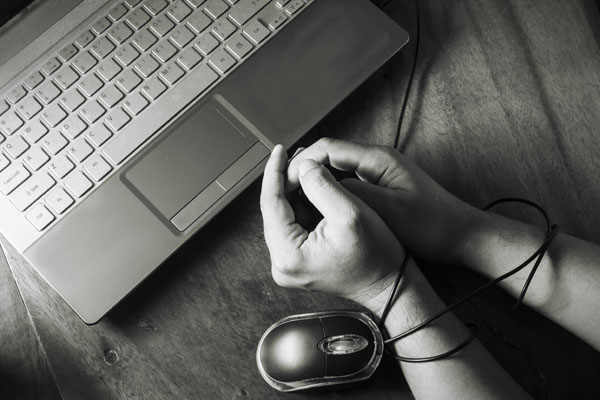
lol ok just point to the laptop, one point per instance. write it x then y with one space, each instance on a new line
125 126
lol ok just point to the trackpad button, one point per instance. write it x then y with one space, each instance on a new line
192 153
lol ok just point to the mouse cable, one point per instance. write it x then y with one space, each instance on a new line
410 78
551 231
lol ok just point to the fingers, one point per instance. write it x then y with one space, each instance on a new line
326 194
380 199
281 231
371 163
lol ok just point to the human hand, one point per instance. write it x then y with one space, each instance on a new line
350 253
426 218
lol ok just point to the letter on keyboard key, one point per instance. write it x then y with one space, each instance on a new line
32 190
36 158
15 146
12 177
245 9
98 135
40 217
139 131
60 166
117 118
35 131
78 183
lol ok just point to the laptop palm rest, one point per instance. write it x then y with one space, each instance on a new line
176 178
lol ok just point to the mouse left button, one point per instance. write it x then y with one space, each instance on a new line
289 353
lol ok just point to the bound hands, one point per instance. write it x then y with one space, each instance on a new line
356 249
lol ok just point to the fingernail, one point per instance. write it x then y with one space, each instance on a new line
306 166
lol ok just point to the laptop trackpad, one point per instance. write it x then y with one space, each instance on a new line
191 154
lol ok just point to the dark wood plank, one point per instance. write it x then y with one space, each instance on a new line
505 102
24 370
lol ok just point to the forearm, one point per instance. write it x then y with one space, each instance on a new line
469 373
566 286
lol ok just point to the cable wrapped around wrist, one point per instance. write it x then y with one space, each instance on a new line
551 231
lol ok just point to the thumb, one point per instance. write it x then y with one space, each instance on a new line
325 193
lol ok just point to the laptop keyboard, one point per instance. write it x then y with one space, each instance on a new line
83 111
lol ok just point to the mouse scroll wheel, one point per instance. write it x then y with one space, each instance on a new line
343 344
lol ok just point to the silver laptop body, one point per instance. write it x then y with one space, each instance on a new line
116 146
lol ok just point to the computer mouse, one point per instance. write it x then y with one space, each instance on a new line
319 349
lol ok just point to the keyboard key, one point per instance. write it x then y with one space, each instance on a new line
91 111
12 177
120 33
178 11
181 36
3 107
65 77
67 52
189 58
195 3
164 51
101 25
32 190
141 129
137 18
102 47
223 29
16 94
60 166
98 135
90 85
132 3
97 167
33 80
40 217
126 55
171 73
10 122
54 142
153 88
78 183
108 69
238 46
245 9
215 8
206 44
36 158
294 7
59 200
161 25
72 126
53 115
155 6
35 131
198 21
110 96
3 162
84 39
29 107
281 3
15 146
221 61
117 12
128 80
146 65
117 118
47 92
50 66
135 103
79 150
276 20
71 100
84 62
144 39
256 31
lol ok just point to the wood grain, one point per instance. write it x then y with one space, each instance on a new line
505 102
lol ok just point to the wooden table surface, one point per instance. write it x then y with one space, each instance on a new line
505 102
